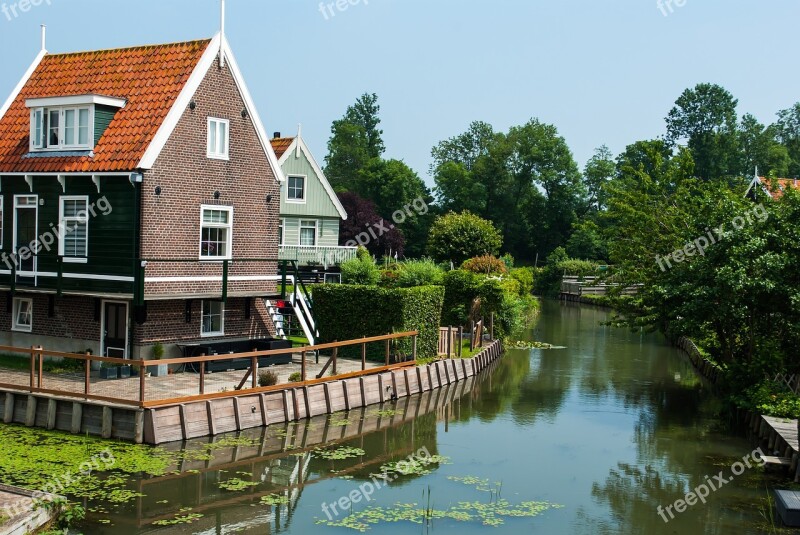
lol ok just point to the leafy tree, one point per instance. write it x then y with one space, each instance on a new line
458 237
787 132
599 170
355 141
759 149
705 116
458 189
587 242
365 227
464 149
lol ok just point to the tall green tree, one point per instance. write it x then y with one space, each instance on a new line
787 132
355 140
705 116
759 149
599 170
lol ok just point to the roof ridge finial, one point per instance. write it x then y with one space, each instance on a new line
222 35
44 38
297 142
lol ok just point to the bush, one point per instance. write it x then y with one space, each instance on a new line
487 264
460 289
267 378
351 312
558 265
423 272
361 270
525 278
296 377
458 237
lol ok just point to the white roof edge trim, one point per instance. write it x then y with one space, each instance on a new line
253 112
16 91
76 100
181 103
318 170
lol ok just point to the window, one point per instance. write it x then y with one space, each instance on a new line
216 230
74 228
1 222
213 318
23 314
297 189
218 140
308 233
61 128
281 228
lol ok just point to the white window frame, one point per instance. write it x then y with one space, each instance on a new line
228 226
38 139
63 222
211 334
305 189
281 229
17 303
213 152
303 226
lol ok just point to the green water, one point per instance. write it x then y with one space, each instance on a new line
609 428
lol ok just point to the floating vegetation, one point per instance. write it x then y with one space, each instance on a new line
236 484
488 514
416 466
342 422
179 519
274 499
340 454
520 344
388 413
477 482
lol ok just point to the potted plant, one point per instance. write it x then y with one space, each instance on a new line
108 371
158 353
124 372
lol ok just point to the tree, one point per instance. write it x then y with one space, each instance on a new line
364 226
787 132
705 116
599 170
464 149
355 141
459 237
457 189
759 149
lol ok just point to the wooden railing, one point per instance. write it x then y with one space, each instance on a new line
136 395
324 255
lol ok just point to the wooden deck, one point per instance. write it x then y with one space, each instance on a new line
779 441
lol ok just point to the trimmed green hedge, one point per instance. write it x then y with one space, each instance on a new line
345 312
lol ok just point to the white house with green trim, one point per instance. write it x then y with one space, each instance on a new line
310 210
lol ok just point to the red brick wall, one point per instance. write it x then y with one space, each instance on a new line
188 179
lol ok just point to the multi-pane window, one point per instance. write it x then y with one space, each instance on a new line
61 128
212 318
216 229
74 215
23 314
297 188
281 228
308 233
218 138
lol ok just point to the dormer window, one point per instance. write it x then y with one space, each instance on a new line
70 123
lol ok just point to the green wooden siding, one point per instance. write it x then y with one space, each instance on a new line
103 115
318 203
327 230
110 237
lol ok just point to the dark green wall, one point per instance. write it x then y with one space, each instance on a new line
103 116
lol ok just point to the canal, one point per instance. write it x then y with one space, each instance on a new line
588 439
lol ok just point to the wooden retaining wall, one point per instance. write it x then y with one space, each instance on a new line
707 369
217 416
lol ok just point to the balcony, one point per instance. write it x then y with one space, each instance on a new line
325 256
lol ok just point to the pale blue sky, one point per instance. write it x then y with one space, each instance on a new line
601 71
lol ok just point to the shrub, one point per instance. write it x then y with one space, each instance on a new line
487 264
267 378
458 237
423 272
296 377
558 265
525 278
508 260
361 270
158 351
460 289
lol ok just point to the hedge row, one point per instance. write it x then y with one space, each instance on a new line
346 312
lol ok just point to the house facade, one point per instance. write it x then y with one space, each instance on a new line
310 211
139 202
774 188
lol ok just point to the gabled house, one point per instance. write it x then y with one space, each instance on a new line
310 210
774 188
139 201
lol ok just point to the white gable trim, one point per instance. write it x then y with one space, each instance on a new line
181 104
22 83
299 144
253 112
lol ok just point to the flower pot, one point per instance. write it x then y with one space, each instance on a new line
159 370
108 373
124 372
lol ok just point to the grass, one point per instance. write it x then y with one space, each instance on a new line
4 519
19 362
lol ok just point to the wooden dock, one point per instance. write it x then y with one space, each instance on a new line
779 441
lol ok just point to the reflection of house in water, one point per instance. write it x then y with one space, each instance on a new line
280 460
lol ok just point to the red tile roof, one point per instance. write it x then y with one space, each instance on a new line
777 186
281 144
150 78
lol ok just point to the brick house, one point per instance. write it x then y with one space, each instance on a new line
139 202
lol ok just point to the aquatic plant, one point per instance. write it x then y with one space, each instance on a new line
339 454
236 484
274 499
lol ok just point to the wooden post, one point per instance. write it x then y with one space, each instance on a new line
303 367
363 356
335 355
414 348
202 377
491 326
142 374
254 364
460 341
40 358
33 367
472 335
388 349
449 342
87 374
